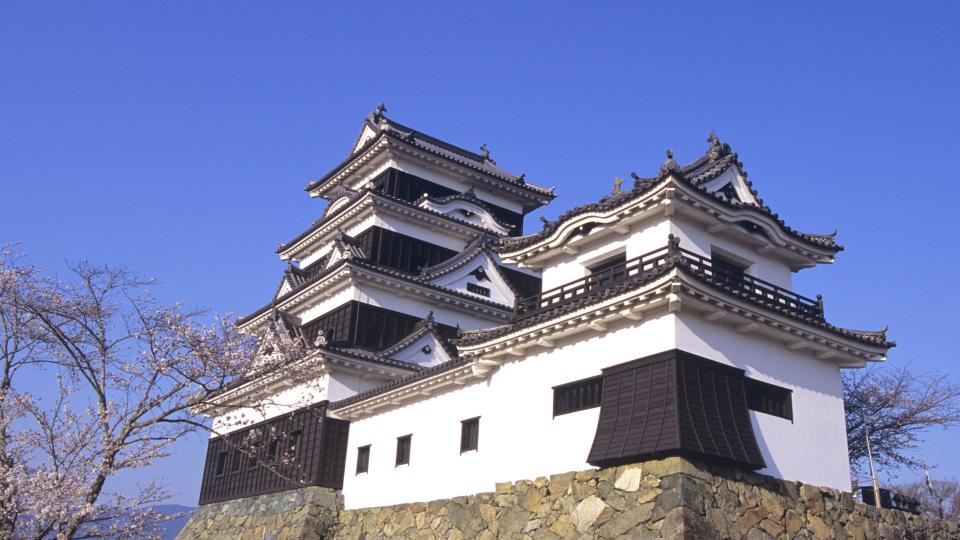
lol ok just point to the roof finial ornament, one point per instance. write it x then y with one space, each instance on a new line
669 165
379 111
429 318
617 183
717 148
485 152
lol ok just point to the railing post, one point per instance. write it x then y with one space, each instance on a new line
673 250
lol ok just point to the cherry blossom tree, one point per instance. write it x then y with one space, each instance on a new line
895 405
97 377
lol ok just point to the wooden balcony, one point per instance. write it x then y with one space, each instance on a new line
738 284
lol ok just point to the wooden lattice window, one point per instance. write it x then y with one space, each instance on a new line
469 434
769 399
577 396
363 459
403 450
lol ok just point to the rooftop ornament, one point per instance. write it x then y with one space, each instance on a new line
717 148
670 165
617 183
378 113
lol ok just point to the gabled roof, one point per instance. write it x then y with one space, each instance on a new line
379 124
718 159
369 195
468 196
481 246
378 269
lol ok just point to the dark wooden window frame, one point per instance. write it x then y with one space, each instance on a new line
577 396
363 459
470 435
769 398
403 450
612 269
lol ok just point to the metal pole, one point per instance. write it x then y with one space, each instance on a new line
873 474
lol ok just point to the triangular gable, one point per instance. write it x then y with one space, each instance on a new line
428 350
478 274
284 288
731 186
367 134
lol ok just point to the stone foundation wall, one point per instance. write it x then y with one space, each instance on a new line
308 513
670 498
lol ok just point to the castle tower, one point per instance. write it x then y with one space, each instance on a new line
376 288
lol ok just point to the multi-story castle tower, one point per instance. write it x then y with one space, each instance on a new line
378 286
666 325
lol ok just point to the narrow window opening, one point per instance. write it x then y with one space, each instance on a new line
608 272
273 450
221 463
293 444
403 450
577 396
235 461
469 434
363 459
769 399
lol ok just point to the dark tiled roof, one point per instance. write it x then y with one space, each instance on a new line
361 263
715 162
399 132
471 337
481 336
367 355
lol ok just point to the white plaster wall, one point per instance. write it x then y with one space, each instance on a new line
813 447
519 438
694 237
343 383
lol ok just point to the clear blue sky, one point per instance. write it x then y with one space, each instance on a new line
177 137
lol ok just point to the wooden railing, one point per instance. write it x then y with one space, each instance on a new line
739 284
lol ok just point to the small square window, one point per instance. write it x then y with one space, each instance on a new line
363 459
469 434
403 450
